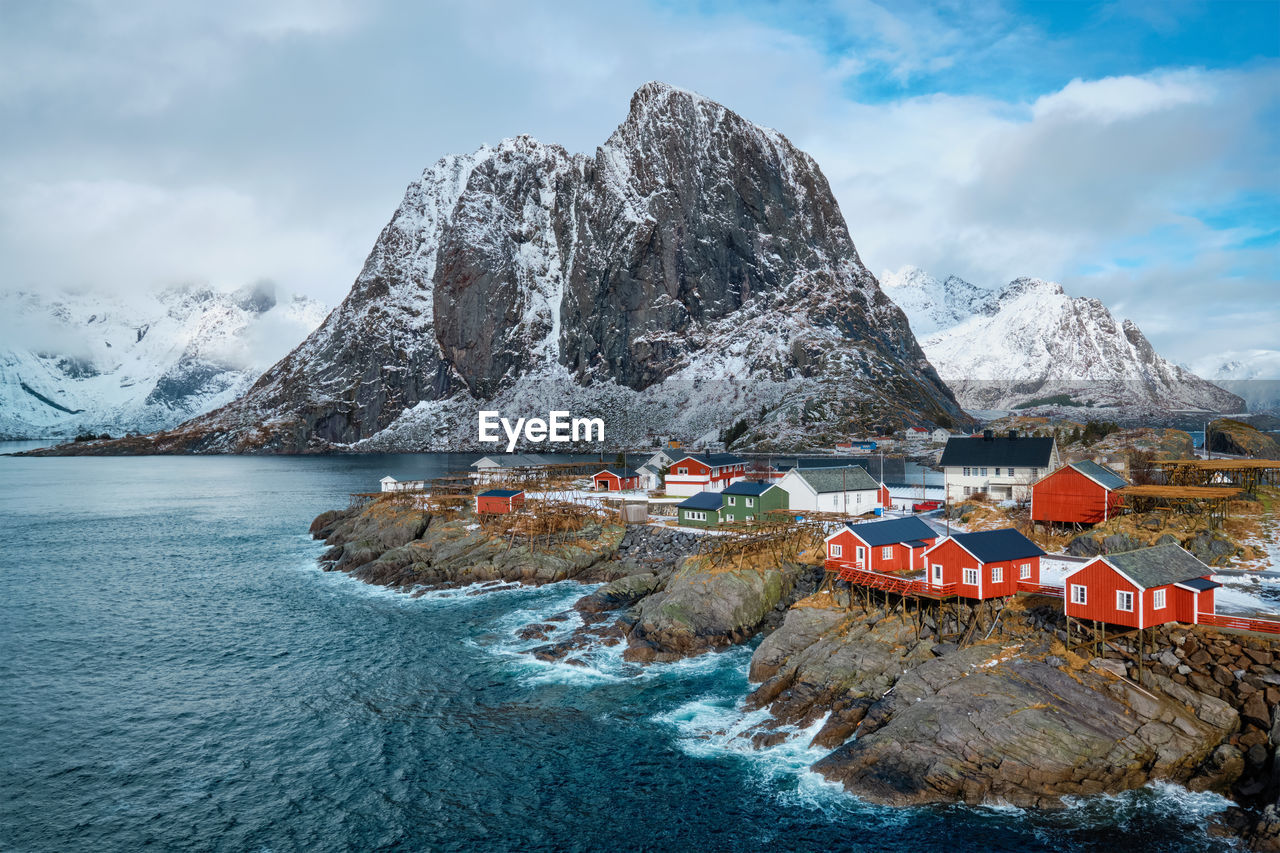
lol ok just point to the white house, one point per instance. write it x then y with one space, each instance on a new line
661 459
389 483
1004 467
939 436
650 477
849 490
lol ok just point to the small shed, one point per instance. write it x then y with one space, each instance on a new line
616 480
893 545
1138 589
700 510
499 501
987 564
389 483
1077 493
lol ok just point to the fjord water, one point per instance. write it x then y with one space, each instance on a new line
176 673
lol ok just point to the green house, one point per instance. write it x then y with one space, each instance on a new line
749 500
701 510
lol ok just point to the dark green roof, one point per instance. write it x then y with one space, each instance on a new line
1159 566
825 480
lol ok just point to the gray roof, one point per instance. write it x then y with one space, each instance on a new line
624 473
1104 477
848 479
892 531
531 460
992 546
1159 566
715 460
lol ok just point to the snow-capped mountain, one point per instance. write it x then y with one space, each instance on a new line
1032 344
693 270
74 363
1252 374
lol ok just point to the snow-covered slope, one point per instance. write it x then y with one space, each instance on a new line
1032 344
693 270
1251 374
73 363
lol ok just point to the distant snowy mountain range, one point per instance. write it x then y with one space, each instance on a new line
73 363
1029 344
1252 374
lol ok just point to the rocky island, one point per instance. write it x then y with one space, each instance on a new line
1011 716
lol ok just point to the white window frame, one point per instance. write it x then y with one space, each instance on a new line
836 551
983 472
733 501
938 574
968 574
1158 601
751 502
1024 572
1079 593
860 554
886 553
1124 597
695 515
997 574
682 470
966 471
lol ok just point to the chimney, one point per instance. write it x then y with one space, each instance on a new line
988 435
1013 434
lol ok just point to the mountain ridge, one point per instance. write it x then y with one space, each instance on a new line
692 248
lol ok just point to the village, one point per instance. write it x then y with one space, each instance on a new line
1011 517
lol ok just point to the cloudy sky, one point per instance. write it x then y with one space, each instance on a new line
1130 151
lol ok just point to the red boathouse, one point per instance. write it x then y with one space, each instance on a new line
616 480
1138 589
894 545
983 565
1078 493
499 501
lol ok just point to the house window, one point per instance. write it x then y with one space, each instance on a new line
968 490
1024 572
751 518
971 577
836 550
966 471
1157 599
886 553
982 472
1124 601
696 515
733 501
1079 594
997 574
682 470
751 502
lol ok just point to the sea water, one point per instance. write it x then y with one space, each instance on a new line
176 673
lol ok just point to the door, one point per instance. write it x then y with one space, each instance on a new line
862 557
937 574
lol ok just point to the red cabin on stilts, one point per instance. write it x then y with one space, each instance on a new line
984 565
1138 589
1078 493
893 545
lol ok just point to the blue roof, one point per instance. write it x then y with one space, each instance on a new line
1104 477
755 488
992 546
892 531
501 493
702 500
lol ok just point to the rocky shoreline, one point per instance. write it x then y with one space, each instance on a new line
1010 718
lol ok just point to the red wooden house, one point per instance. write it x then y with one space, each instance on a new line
499 501
616 480
984 565
885 500
1078 493
709 472
894 545
1138 589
